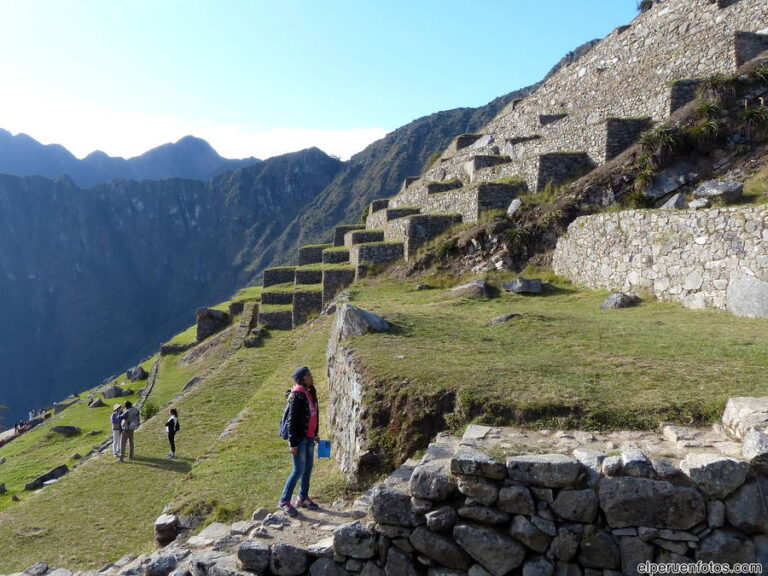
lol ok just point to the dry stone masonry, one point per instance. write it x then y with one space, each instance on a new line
707 258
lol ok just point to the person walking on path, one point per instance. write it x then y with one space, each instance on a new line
303 427
129 421
172 426
117 431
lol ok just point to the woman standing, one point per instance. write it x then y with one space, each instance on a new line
172 426
117 431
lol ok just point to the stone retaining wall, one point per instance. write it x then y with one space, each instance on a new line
376 253
415 231
312 254
712 258
276 320
340 231
362 236
281 275
268 297
335 256
334 281
305 304
311 276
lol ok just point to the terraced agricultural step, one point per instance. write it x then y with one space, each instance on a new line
306 304
363 237
276 317
269 298
335 279
308 276
278 275
437 187
375 254
558 167
474 199
407 182
340 231
312 253
378 220
336 255
414 231
545 119
484 161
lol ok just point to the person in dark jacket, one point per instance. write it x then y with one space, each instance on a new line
172 426
303 432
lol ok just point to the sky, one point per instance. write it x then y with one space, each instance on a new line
261 78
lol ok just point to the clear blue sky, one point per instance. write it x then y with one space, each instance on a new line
262 78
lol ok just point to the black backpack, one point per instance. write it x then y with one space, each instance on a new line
283 431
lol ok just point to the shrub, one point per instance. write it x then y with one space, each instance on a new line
432 159
707 109
718 87
644 5
364 215
706 131
754 121
148 409
661 144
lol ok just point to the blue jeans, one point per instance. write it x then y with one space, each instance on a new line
302 468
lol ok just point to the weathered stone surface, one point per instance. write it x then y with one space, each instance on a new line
115 392
483 514
664 468
726 546
160 565
715 513
322 548
354 540
399 564
544 524
635 463
353 321
566 544
668 181
38 569
67 431
611 465
479 489
287 560
471 461
478 288
440 548
326 567
675 202
371 569
495 552
442 520
747 508
254 556
432 481
699 204
656 503
502 319
576 505
592 462
136 373
391 507
634 552
616 300
548 470
538 566
598 549
716 475
54 474
746 296
516 500
728 190
755 445
514 206
743 413
529 534
96 403
524 286
567 569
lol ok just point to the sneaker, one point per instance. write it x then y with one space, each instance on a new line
288 508
306 503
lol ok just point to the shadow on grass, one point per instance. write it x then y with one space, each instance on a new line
175 464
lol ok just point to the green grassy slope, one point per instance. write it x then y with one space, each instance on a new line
563 362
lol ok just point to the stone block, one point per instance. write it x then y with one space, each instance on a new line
478 488
516 500
497 553
642 502
576 505
287 560
715 475
471 461
744 412
254 556
483 514
440 548
747 508
354 540
443 519
432 481
747 296
391 507
727 547
526 532
547 470
755 445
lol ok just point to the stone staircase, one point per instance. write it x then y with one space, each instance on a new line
573 123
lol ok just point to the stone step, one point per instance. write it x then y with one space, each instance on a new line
276 317
363 237
471 201
269 297
437 187
377 220
340 231
481 161
407 183
335 279
311 274
415 231
278 275
364 256
306 303
336 255
312 253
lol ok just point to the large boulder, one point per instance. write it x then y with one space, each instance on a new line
727 190
524 286
654 503
136 373
669 180
616 300
67 431
476 288
746 295
210 321
353 321
115 391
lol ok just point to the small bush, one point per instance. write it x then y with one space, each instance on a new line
718 87
760 75
644 5
364 215
705 132
661 144
148 409
432 159
754 121
707 109
645 172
